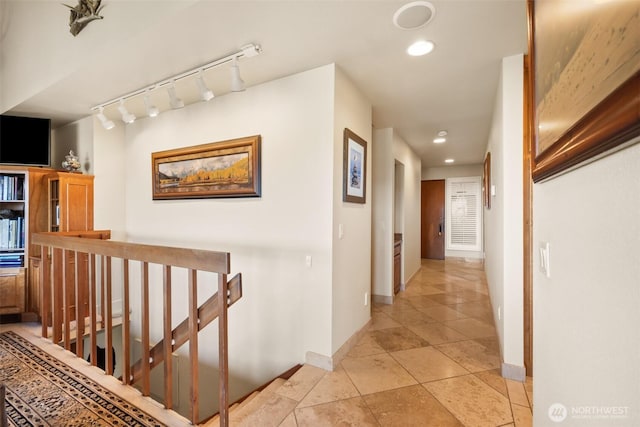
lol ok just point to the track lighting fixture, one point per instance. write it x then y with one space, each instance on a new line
237 84
205 93
127 117
173 98
106 123
152 110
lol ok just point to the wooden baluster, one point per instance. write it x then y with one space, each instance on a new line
126 334
146 383
223 351
93 310
56 300
45 290
66 298
193 343
80 313
168 345
103 279
108 331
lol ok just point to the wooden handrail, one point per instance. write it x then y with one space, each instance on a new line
195 259
77 271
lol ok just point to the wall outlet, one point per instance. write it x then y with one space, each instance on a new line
308 261
340 231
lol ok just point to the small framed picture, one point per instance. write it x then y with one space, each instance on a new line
354 168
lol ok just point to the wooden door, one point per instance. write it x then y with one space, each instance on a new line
432 214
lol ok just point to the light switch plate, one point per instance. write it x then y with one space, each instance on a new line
544 259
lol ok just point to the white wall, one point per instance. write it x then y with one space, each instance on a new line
504 221
287 308
411 207
351 253
451 172
389 150
382 215
110 166
586 338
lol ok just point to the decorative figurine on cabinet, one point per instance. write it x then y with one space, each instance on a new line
71 163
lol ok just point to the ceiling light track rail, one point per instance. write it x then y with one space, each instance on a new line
246 51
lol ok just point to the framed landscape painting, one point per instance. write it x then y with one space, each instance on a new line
220 169
354 177
585 80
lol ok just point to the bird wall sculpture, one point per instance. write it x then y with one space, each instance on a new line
84 12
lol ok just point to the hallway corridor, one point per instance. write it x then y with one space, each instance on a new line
430 359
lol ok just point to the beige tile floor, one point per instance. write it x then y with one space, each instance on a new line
430 359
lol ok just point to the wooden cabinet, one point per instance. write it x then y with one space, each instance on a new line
37 202
33 290
70 201
12 291
397 264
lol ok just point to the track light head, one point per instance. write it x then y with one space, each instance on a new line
127 117
205 93
237 84
106 123
173 98
152 110
250 50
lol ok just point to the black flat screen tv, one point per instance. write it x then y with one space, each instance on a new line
25 141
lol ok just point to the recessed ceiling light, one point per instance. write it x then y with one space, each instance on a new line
420 48
449 161
440 140
414 15
443 133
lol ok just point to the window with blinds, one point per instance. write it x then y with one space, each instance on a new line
464 210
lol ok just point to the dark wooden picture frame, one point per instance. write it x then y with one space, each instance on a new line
573 73
354 173
220 169
486 181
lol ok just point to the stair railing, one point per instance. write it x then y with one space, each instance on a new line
70 292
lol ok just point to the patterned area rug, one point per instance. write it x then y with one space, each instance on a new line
42 391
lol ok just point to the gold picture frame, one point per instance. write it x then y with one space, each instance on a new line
220 169
584 81
486 181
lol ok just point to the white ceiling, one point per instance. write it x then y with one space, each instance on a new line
453 88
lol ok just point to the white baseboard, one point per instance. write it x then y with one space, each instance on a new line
319 361
382 299
330 363
514 372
